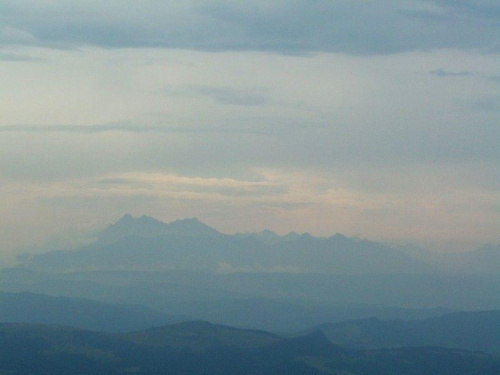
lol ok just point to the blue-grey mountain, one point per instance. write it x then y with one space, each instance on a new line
148 244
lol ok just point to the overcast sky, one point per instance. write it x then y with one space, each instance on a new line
376 119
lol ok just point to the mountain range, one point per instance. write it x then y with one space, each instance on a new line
145 243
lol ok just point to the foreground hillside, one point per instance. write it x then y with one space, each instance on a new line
202 348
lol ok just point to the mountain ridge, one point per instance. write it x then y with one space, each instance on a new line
147 226
146 243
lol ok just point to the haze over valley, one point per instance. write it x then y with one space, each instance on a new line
257 280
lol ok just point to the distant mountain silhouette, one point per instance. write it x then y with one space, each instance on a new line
465 330
77 312
148 227
274 302
484 260
147 244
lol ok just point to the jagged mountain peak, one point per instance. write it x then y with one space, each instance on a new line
191 221
129 220
125 219
190 226
147 226
291 236
339 236
267 236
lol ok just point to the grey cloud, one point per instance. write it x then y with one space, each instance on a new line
486 9
302 26
441 72
115 181
231 188
485 104
13 35
11 57
247 191
122 128
86 129
222 95
226 95
492 78
233 153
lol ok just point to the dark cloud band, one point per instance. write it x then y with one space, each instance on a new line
302 26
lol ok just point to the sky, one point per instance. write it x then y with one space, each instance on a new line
371 119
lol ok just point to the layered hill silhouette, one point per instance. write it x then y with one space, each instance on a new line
275 302
279 302
201 336
77 312
486 259
201 348
253 280
477 331
147 244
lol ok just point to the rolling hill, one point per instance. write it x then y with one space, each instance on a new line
476 331
82 313
201 348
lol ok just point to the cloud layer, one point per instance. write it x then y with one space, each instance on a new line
298 26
